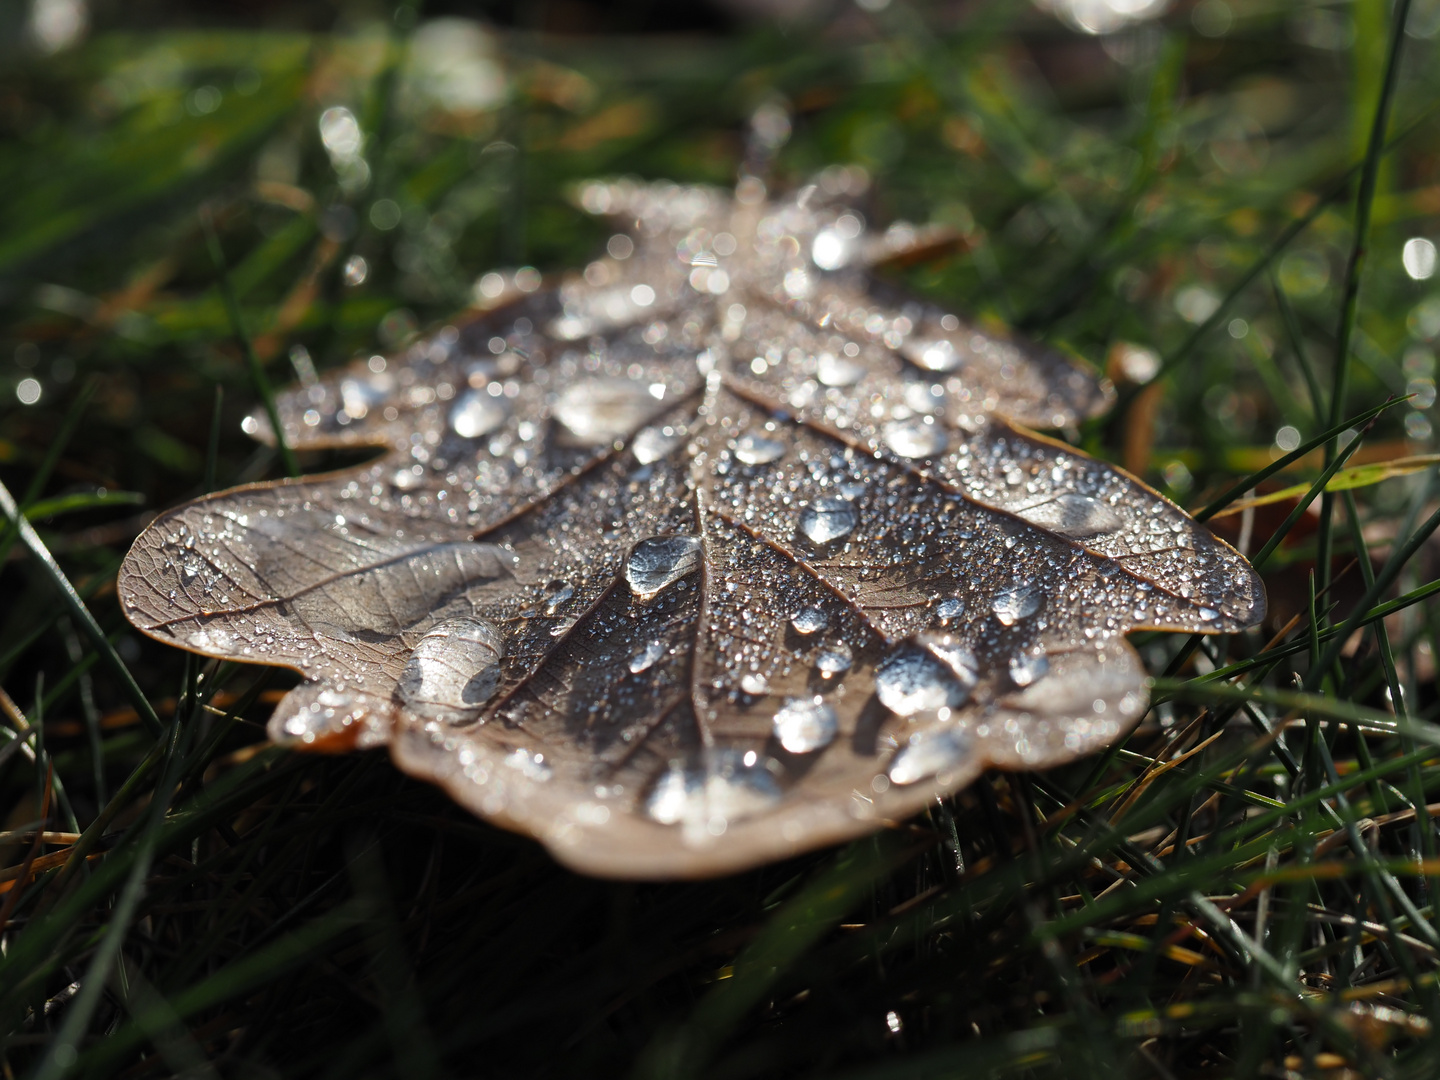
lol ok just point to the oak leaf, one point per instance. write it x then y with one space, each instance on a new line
717 552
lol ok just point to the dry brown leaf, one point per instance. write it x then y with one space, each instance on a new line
717 553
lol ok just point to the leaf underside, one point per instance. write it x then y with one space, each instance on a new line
715 554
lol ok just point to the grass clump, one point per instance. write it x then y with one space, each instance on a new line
1228 208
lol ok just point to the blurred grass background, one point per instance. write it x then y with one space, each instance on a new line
1195 196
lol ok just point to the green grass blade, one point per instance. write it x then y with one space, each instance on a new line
80 613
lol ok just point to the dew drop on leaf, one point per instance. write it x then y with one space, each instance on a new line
654 443
1075 516
529 765
476 413
927 754
600 411
810 620
838 371
753 449
939 355
913 681
1026 669
453 670
1016 602
827 520
952 607
834 659
752 682
803 726
660 561
734 786
646 657
915 438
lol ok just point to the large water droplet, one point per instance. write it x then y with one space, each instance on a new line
915 437
810 620
952 607
825 520
359 396
805 725
531 766
913 681
940 355
557 599
929 753
754 683
476 413
834 370
834 659
1026 669
1016 602
453 670
1075 516
646 657
753 449
734 786
661 561
955 655
600 411
654 443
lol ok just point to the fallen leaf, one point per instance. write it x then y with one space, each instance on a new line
716 553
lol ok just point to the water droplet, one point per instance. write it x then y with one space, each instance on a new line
1209 614
646 657
1015 603
359 396
912 681
1075 516
674 794
809 620
531 766
951 607
834 370
453 670
929 753
938 355
1026 669
915 438
955 655
825 520
834 660
554 601
661 561
734 786
600 411
752 682
654 443
476 413
753 449
803 726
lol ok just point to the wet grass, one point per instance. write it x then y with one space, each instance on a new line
1244 887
